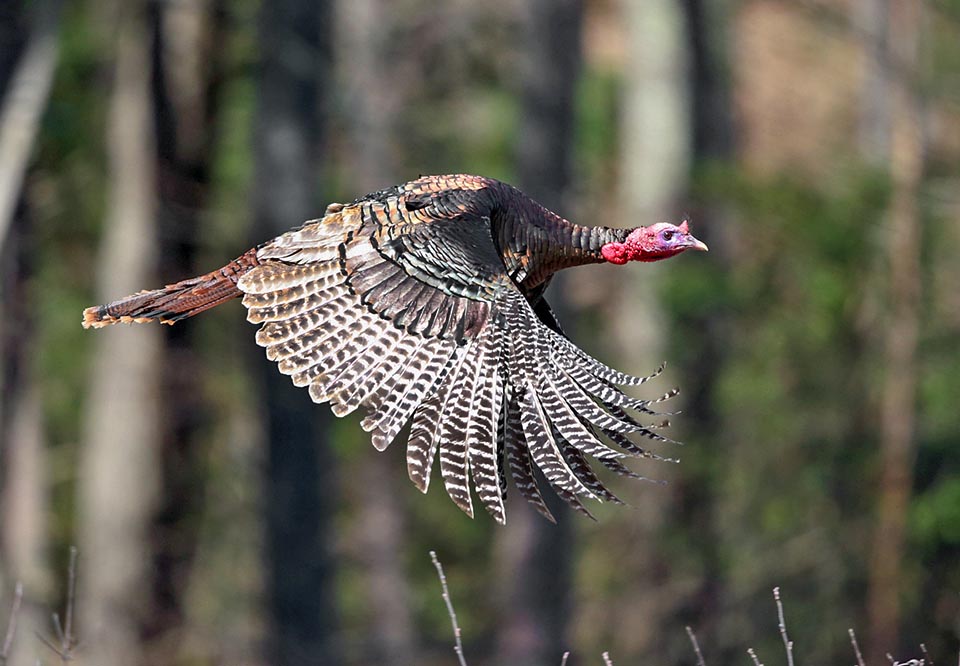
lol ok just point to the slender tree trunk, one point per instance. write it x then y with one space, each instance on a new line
371 101
187 55
875 106
654 160
702 360
535 557
295 43
24 484
119 459
898 409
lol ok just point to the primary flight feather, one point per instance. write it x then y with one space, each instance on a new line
423 304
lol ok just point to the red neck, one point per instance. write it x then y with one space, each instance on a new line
621 253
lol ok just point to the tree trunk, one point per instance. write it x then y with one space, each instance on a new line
701 361
24 485
898 412
875 96
187 61
120 453
24 482
535 557
294 74
371 101
654 151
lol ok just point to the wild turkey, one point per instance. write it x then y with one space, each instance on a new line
424 302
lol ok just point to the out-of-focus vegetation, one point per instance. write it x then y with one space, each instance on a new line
810 136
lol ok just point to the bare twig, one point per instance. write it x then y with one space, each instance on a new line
64 631
926 655
606 659
458 645
908 662
12 623
856 648
563 660
787 643
753 655
69 641
696 647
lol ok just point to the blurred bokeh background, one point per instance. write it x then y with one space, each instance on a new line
223 519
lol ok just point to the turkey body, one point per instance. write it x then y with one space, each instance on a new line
423 304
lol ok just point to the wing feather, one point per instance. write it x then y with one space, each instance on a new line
483 451
518 456
423 441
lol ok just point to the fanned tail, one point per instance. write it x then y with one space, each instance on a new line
175 301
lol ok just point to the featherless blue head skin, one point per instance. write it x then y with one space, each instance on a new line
658 241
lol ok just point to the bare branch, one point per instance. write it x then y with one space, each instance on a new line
908 662
66 641
69 641
856 648
926 655
458 646
563 660
12 623
787 643
606 659
696 646
753 655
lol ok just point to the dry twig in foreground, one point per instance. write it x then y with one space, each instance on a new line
856 647
787 643
696 647
458 646
64 630
11 624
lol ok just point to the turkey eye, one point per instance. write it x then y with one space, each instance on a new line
667 235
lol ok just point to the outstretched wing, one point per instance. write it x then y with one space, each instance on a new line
400 304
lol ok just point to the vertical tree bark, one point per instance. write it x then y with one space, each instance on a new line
295 43
24 481
535 557
700 363
26 67
119 456
187 54
898 407
875 106
655 160
371 100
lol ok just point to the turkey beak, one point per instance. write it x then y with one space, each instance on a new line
695 244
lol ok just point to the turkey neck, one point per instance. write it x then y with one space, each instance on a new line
536 243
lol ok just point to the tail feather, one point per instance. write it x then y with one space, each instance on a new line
175 301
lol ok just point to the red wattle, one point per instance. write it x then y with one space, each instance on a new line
615 253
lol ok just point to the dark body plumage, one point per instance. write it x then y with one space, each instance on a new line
422 304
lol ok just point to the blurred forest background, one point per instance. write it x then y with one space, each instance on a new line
223 519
